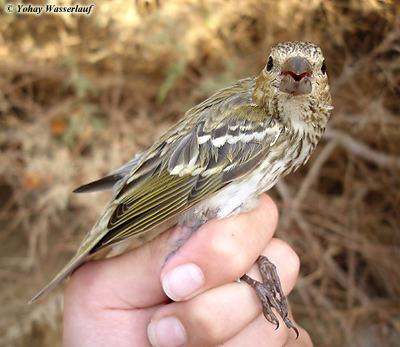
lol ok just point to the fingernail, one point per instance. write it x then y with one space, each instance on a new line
182 281
166 332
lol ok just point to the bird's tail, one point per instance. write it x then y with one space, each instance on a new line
73 264
81 256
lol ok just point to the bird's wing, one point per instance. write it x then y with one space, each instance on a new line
218 142
223 139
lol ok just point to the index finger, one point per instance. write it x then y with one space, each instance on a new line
219 252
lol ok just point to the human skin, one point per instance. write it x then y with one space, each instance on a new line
111 302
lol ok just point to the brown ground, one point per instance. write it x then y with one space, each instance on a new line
80 95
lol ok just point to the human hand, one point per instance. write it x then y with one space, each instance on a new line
111 302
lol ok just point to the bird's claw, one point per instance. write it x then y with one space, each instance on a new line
268 292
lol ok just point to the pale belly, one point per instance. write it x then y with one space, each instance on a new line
242 196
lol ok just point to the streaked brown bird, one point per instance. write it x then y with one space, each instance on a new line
216 161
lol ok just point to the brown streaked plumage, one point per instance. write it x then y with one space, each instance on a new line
217 159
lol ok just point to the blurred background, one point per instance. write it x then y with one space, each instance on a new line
80 95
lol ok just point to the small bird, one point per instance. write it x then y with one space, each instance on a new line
216 161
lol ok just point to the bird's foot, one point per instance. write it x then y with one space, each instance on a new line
268 293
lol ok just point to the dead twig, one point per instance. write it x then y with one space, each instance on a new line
361 150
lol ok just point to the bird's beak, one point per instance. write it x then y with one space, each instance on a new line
296 76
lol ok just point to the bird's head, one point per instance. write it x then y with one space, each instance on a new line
295 74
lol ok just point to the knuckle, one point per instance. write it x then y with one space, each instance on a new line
203 319
289 255
273 210
269 211
229 250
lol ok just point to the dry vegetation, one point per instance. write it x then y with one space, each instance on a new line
80 95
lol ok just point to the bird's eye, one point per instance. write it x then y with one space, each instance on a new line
323 67
270 64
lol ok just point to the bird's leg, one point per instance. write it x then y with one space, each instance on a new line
189 230
267 293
